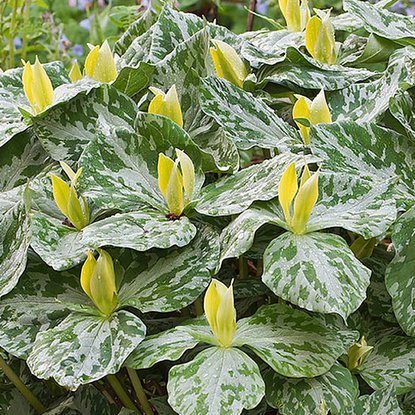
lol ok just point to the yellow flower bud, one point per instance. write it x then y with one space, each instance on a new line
176 184
220 312
100 63
166 104
363 248
296 13
227 63
37 86
357 353
310 112
74 208
319 38
98 281
301 200
75 73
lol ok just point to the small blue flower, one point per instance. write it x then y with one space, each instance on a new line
262 6
85 24
78 50
17 42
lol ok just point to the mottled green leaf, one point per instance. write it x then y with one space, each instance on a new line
245 118
291 341
84 348
218 381
391 362
400 274
332 391
401 107
316 271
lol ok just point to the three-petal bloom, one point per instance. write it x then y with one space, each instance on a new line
220 312
227 63
319 38
296 14
74 208
303 197
357 354
307 112
100 63
98 281
166 104
176 180
37 86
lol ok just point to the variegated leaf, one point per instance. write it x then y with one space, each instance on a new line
343 147
400 274
303 71
12 97
291 341
20 160
401 107
316 271
365 102
38 303
332 391
391 362
14 238
174 280
381 402
245 118
382 21
66 128
218 381
233 194
84 347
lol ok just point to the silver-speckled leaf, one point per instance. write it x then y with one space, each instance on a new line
316 271
170 282
291 341
66 128
343 147
85 347
302 71
332 391
365 102
37 303
218 381
401 107
245 118
382 402
400 274
14 238
391 362
233 194
12 96
382 21
20 160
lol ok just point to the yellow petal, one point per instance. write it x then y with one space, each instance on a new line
188 173
42 89
304 13
68 170
305 176
27 80
102 284
311 35
357 353
174 193
301 109
91 62
227 63
75 212
211 304
164 168
287 189
226 318
75 73
87 272
304 203
319 111
60 193
293 16
166 104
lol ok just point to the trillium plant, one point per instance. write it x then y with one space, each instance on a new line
196 222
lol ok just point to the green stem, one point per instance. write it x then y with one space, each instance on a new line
26 17
22 388
12 34
243 267
198 307
139 391
121 393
